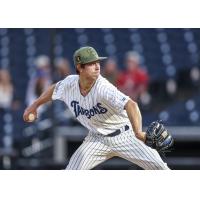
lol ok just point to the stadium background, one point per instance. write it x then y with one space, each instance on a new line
171 57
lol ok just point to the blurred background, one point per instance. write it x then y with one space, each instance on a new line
158 68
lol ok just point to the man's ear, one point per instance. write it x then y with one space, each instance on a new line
78 67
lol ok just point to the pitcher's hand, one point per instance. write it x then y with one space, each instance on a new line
32 109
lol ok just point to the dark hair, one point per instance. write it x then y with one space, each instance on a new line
82 66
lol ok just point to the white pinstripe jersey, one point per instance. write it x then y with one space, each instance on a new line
101 110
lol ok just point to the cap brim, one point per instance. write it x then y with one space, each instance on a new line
102 58
97 59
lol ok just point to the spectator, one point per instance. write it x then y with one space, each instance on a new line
62 69
40 81
110 70
134 80
6 90
6 98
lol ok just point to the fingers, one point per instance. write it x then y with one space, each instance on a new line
28 115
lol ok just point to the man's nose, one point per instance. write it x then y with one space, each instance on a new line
96 65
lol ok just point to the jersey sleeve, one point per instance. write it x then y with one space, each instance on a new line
114 98
59 92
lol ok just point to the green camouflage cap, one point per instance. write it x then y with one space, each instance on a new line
86 55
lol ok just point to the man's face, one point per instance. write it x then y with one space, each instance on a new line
110 66
91 70
131 64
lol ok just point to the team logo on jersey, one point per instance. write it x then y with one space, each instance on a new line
78 110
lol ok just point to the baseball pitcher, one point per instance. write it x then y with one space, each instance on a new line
114 120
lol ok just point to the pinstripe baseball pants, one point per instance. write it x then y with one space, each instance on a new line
97 148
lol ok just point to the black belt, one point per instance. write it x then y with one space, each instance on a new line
117 132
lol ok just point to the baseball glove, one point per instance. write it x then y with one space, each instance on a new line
158 137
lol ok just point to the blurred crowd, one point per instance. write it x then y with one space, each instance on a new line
163 78
133 80
12 107
44 76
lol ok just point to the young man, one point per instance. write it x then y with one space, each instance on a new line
114 121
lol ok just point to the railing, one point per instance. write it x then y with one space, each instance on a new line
63 135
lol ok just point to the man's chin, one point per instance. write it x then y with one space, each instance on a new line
96 74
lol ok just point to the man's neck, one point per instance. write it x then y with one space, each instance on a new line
86 84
